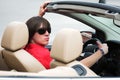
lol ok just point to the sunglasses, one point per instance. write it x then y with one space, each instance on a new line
42 31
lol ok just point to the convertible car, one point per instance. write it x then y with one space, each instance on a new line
67 46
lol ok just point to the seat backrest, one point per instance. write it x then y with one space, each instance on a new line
67 46
14 38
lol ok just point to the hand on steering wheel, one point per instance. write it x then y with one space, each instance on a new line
91 45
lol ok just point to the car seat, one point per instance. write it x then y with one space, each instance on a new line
67 46
14 38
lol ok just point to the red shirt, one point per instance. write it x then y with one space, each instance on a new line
41 53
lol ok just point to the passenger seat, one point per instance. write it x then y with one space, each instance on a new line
14 39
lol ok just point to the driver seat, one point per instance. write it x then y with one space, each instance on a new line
14 39
67 46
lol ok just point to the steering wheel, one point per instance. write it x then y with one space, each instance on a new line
91 45
108 64
89 48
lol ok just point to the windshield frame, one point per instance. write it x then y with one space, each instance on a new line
60 8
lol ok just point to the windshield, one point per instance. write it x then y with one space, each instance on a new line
64 22
72 23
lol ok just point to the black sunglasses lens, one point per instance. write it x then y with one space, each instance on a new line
49 31
41 31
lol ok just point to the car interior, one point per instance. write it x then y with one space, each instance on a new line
108 65
15 60
65 51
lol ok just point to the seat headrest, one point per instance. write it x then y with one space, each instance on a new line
67 45
15 36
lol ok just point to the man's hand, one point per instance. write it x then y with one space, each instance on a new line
104 46
43 8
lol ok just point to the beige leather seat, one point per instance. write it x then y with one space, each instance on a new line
15 37
67 46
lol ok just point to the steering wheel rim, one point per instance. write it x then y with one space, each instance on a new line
91 41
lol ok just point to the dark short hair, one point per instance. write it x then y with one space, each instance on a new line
34 24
